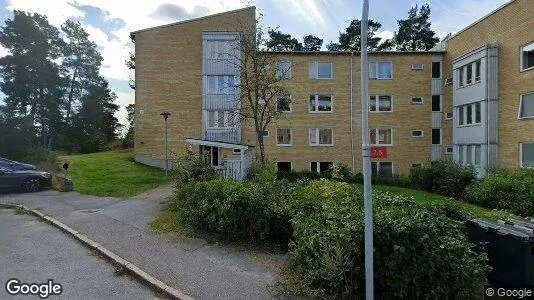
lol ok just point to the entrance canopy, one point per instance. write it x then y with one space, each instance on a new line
218 144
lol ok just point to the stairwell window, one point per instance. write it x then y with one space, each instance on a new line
321 137
283 137
527 57
382 137
526 106
221 85
218 119
436 103
381 70
380 104
320 103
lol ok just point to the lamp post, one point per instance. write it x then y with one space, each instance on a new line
366 159
166 116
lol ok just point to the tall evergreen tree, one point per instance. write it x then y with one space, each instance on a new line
279 41
31 77
312 43
414 33
81 63
350 40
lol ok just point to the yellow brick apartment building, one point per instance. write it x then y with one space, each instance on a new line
470 99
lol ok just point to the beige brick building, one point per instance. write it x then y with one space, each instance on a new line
471 99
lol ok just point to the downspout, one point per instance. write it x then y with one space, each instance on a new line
351 116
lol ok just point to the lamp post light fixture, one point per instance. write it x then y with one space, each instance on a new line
166 116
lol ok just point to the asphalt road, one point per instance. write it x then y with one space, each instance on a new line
33 252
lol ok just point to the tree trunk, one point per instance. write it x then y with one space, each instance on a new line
71 94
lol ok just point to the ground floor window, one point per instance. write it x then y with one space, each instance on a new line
470 154
284 166
527 155
320 167
382 168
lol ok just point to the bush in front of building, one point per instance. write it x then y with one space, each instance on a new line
419 253
445 177
511 190
192 167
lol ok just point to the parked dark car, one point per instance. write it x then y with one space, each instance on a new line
25 180
15 165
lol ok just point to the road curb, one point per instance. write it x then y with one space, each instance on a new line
131 268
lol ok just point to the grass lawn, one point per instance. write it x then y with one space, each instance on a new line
433 199
112 174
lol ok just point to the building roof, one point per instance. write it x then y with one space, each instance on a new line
482 19
132 34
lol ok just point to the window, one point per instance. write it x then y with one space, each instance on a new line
416 166
382 168
469 155
220 119
527 56
448 81
461 154
469 74
221 84
478 150
284 166
469 114
417 100
211 154
461 77
380 103
461 120
417 67
526 106
478 65
321 70
283 70
320 167
381 137
320 103
436 103
283 137
448 150
527 155
436 136
218 50
321 137
381 70
236 151
436 69
265 133
283 103
448 116
478 113
417 133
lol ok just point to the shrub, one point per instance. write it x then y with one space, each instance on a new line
444 177
511 190
192 167
262 172
294 176
237 211
419 253
340 172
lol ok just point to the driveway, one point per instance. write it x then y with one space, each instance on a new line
33 252
193 266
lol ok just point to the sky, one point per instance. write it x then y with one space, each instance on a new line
109 22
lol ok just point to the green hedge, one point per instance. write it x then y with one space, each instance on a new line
444 177
511 190
419 253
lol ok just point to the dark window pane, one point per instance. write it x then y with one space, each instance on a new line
469 113
478 113
436 136
436 69
386 169
284 166
313 166
436 103
325 166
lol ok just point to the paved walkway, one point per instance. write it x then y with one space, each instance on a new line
199 269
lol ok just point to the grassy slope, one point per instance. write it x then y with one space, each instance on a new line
112 174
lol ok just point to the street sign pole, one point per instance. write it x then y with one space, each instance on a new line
366 158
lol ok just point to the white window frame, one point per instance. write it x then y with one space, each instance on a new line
317 135
521 62
377 106
418 136
316 104
236 151
265 135
377 130
521 107
378 163
464 149
473 115
227 120
314 70
521 154
279 69
447 150
290 105
290 138
447 117
226 90
417 67
373 69
318 166
418 103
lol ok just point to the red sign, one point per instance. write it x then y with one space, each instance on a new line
379 152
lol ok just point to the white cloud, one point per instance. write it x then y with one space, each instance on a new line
57 11
385 34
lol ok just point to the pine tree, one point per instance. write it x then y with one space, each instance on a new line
414 33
